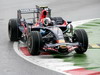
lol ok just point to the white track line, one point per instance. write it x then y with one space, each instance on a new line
77 23
39 60
47 61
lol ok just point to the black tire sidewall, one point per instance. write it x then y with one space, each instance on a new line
13 30
82 38
36 42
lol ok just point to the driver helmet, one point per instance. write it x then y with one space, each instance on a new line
47 21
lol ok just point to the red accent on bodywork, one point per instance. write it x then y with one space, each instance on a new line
82 71
50 49
37 24
71 48
22 23
25 29
43 14
65 23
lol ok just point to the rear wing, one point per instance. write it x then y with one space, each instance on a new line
32 10
36 10
26 11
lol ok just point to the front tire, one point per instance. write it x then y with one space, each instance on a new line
80 36
34 43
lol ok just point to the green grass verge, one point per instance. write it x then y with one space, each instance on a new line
87 60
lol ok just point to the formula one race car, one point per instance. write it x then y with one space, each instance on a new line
42 32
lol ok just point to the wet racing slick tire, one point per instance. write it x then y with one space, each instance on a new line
34 43
80 36
13 31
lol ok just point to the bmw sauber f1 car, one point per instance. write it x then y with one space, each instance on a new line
42 32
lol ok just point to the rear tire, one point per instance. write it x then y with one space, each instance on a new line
13 31
34 43
80 36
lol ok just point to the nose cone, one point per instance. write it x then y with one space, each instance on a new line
62 46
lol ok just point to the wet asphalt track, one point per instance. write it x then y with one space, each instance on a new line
10 62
